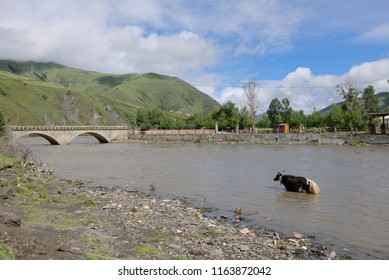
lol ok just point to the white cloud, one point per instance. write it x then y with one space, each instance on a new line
307 91
194 40
377 33
117 36
173 54
84 38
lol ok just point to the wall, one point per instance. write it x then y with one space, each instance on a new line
264 138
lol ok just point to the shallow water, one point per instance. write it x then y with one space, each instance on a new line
352 211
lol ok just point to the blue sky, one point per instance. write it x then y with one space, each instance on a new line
296 49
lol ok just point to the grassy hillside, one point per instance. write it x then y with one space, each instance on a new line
37 93
25 101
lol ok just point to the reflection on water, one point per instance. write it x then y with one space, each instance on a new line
351 210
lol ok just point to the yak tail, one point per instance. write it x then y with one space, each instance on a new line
313 187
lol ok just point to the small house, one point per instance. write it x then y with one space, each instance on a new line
281 128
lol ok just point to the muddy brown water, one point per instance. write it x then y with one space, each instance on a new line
351 213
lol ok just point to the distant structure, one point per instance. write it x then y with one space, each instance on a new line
281 128
384 122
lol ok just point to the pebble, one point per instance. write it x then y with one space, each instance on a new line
244 248
184 231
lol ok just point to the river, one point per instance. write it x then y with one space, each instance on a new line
351 214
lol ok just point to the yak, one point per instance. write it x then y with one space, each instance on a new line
297 183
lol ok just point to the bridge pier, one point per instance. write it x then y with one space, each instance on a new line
61 135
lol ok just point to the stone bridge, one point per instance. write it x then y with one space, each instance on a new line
59 135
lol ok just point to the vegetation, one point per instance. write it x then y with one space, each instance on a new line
251 92
48 93
6 253
2 124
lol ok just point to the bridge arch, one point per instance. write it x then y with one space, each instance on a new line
98 136
59 135
43 135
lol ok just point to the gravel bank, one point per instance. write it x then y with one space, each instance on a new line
42 217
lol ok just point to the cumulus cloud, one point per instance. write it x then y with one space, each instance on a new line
116 36
307 91
194 40
83 35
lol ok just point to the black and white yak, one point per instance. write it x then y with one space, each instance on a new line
297 183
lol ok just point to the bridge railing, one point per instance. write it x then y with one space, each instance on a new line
67 127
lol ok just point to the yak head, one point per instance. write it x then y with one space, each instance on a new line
278 177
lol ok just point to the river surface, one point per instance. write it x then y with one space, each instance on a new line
351 214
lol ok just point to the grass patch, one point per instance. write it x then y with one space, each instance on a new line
214 233
92 256
147 251
87 221
179 258
7 161
86 202
157 236
55 219
195 235
94 248
6 253
33 192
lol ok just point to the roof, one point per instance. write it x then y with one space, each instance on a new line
379 114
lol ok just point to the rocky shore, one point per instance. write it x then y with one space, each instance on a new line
42 217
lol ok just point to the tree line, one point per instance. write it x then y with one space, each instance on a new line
352 114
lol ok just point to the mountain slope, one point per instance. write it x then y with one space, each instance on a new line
24 101
383 103
37 92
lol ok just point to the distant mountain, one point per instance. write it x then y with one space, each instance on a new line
383 103
45 93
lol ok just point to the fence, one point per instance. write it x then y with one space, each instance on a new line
174 132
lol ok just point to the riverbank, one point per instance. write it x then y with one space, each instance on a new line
43 217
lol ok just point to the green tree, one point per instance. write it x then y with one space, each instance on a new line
264 122
370 101
350 95
154 118
181 123
352 106
335 118
286 110
297 118
142 119
274 110
195 121
246 119
315 119
278 119
358 118
166 122
227 117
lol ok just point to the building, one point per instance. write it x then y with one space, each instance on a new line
281 128
384 122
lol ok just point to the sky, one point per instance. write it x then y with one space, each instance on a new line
295 49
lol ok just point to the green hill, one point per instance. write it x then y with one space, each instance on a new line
49 93
383 103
